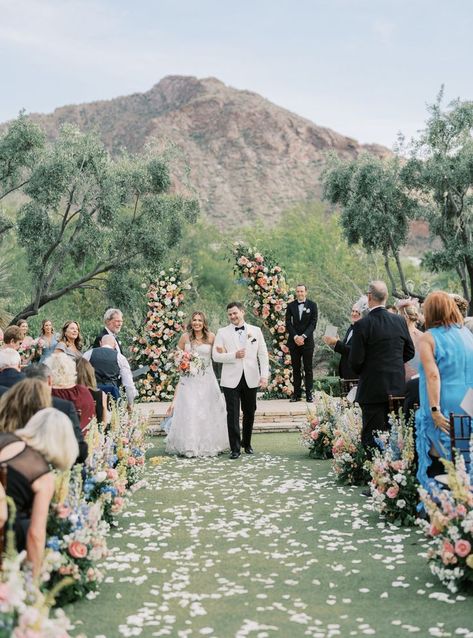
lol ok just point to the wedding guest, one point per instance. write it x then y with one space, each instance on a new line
392 309
10 368
20 402
301 320
27 342
111 369
12 338
47 341
43 373
409 310
65 386
446 373
343 347
461 303
380 346
70 341
113 320
47 439
86 377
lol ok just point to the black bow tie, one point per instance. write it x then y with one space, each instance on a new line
240 328
301 303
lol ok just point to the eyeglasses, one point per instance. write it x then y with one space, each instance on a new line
355 312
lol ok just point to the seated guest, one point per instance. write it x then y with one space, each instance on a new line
409 310
10 368
21 402
86 376
343 347
47 439
70 341
47 341
111 368
12 338
446 373
43 373
63 372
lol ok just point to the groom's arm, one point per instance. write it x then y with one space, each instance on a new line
263 357
221 357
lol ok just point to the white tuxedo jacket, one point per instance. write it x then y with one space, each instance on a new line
255 364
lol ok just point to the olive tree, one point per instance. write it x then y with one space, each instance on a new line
88 216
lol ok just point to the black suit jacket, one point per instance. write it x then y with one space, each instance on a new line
345 371
10 376
379 347
300 326
104 332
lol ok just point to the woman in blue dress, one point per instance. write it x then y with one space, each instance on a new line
446 373
47 341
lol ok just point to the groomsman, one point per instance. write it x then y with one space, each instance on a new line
301 319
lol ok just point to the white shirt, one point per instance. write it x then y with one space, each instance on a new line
125 373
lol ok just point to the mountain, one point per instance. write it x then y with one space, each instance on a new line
242 156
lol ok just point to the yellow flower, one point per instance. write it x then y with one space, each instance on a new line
469 561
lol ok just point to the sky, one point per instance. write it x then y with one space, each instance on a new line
365 68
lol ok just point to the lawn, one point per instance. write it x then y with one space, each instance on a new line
268 545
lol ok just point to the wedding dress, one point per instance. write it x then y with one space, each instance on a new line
199 421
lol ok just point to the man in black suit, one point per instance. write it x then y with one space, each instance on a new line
10 367
301 319
113 320
380 346
343 346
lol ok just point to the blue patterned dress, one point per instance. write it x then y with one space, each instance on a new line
454 357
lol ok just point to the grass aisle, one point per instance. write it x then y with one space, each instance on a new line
264 546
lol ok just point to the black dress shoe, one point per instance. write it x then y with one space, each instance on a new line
249 450
294 399
366 493
235 455
310 398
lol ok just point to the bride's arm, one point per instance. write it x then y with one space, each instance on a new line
181 344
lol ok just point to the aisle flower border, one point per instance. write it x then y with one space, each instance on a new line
163 324
270 294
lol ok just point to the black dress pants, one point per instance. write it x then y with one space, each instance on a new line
374 417
302 355
234 397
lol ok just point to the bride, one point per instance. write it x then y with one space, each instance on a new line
199 418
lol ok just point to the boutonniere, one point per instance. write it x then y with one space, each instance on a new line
307 310
251 338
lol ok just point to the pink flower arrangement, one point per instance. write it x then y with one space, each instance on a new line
77 549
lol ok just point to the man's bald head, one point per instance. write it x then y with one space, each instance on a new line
108 340
378 293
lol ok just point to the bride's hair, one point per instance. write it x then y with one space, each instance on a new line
205 326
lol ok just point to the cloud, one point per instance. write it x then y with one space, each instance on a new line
384 30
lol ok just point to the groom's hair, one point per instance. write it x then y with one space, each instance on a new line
236 304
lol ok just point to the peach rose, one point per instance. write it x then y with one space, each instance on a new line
392 492
77 549
462 548
131 461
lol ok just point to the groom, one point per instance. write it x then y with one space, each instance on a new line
242 351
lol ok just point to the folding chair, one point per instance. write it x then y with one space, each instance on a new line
346 385
396 403
3 481
460 434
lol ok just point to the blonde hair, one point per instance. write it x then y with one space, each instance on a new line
63 369
50 433
21 402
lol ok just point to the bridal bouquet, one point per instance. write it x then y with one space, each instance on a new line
450 524
189 364
393 482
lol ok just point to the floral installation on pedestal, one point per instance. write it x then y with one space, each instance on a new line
393 485
450 524
349 456
87 502
321 423
267 284
164 323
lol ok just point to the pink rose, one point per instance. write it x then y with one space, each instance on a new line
131 461
461 510
392 492
462 548
112 474
314 435
4 592
259 258
77 549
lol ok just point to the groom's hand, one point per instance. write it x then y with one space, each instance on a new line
240 354
263 383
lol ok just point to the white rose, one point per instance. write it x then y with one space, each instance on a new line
401 503
100 477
